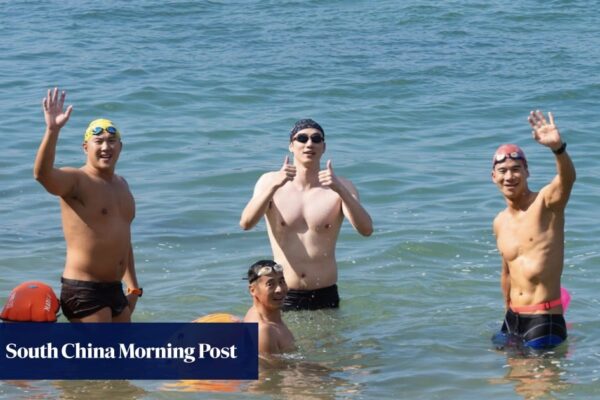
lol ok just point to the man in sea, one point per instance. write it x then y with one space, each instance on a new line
267 287
97 211
530 239
304 209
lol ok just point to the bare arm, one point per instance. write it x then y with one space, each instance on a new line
56 181
505 283
130 276
264 190
505 272
351 207
130 279
266 341
556 193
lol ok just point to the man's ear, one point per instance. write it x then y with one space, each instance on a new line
84 145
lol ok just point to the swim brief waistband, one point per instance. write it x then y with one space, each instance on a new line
537 307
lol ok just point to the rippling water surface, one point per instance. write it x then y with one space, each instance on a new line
414 97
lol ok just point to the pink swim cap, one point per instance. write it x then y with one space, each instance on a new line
511 151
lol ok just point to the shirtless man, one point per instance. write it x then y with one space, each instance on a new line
268 289
530 238
304 208
97 210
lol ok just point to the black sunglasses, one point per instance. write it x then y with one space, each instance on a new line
315 138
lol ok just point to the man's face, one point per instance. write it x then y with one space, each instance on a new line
270 290
308 145
103 150
511 177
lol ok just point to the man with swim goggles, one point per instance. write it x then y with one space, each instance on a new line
268 289
97 210
260 269
304 207
502 154
97 127
530 239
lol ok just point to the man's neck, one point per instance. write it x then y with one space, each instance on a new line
268 314
104 174
522 202
307 176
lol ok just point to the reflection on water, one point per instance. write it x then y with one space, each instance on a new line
67 390
535 374
325 366
91 389
304 380
281 378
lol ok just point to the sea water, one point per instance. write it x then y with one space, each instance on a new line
414 97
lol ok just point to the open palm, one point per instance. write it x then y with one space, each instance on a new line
544 131
53 105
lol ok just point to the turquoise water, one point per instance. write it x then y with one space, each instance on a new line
414 98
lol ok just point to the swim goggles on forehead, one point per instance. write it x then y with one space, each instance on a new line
110 129
266 270
515 155
315 138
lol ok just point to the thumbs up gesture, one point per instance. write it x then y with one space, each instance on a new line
286 173
328 179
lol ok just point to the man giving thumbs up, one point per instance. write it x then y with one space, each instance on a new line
304 209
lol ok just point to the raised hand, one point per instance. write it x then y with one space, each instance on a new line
328 179
544 132
286 173
53 105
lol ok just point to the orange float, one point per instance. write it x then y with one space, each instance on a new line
222 386
31 301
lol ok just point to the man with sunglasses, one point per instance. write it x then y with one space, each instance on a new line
304 207
268 289
97 210
530 239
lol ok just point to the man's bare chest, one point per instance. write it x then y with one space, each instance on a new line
314 210
103 202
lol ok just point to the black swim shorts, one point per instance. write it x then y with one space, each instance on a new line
538 331
312 299
79 299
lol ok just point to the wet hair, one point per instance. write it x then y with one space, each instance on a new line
257 266
303 124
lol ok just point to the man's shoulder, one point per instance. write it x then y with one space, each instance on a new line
270 329
500 218
266 177
122 180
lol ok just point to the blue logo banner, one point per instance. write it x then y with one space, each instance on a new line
129 351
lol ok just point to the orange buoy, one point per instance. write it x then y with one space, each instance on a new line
31 301
218 317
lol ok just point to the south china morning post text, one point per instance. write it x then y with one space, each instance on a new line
124 350
129 351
